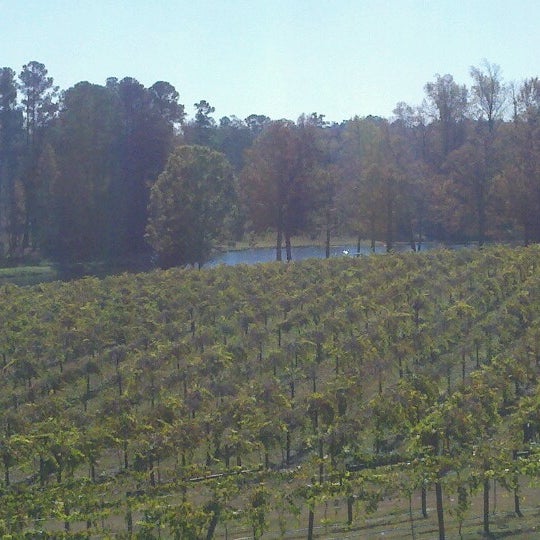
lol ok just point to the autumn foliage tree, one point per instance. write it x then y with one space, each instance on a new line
274 181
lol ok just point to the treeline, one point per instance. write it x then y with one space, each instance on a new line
77 166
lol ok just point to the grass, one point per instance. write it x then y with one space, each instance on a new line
28 275
391 520
268 240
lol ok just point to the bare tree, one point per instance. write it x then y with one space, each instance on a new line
489 93
448 102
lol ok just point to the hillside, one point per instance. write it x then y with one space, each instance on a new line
329 397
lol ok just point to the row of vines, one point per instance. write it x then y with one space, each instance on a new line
255 400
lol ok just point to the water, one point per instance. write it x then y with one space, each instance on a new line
260 255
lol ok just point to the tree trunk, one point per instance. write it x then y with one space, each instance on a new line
412 242
481 208
350 501
6 471
288 448
321 458
41 471
288 249
390 225
152 472
311 521
214 521
125 448
517 508
423 497
67 512
411 517
279 236
129 521
440 509
486 507
327 243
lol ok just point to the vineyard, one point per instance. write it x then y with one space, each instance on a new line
319 399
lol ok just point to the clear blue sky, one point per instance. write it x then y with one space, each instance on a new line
274 57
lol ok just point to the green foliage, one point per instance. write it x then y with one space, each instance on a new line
189 204
181 402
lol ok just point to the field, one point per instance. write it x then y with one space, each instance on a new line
340 398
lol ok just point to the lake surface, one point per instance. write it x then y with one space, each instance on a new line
259 255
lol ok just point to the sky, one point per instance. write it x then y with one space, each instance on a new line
280 58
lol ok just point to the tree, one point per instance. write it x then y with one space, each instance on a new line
47 174
256 123
473 166
40 107
148 120
89 128
353 199
517 185
448 102
471 170
410 127
376 165
325 175
202 129
189 204
489 93
232 138
274 181
38 99
165 99
11 131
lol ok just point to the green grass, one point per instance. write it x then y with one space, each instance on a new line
28 275
268 240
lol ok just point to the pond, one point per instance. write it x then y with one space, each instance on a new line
259 255
32 276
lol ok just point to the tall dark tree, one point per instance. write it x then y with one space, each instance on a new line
165 98
202 129
86 140
46 181
256 123
232 138
145 142
203 116
11 131
39 100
